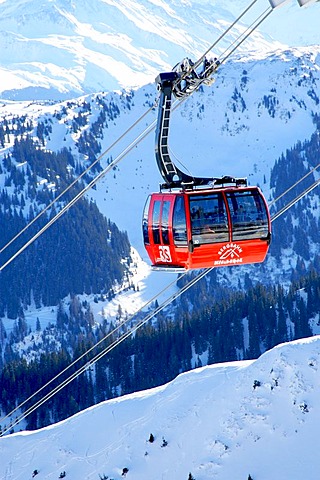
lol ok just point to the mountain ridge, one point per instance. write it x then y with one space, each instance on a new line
63 49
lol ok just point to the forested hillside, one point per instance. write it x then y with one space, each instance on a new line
82 253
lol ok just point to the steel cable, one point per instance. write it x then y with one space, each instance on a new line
129 332
88 351
82 174
110 347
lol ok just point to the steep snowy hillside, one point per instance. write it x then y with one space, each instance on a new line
227 421
62 49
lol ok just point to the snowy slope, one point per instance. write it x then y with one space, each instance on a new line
59 49
220 422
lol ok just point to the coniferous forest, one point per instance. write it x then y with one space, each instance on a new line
81 253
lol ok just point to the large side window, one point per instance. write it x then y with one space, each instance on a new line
209 220
179 222
156 222
248 214
145 231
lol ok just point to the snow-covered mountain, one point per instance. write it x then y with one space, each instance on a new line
227 421
59 49
219 421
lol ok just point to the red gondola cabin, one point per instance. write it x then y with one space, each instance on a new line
215 227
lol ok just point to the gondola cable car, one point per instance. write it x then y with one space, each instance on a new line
196 222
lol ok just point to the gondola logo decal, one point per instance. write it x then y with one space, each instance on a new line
230 254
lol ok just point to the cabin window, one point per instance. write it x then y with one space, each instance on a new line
156 222
165 222
209 220
145 230
248 215
179 223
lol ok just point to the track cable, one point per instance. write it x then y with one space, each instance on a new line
115 330
81 193
101 354
78 178
314 169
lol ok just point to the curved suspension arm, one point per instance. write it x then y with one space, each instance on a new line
183 81
172 175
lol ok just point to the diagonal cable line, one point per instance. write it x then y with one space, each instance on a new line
110 347
294 185
295 200
77 179
82 193
89 350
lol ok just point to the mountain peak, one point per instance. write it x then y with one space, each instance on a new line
66 47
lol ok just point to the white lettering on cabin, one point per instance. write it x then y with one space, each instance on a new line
230 254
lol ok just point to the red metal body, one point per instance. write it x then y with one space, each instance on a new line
194 229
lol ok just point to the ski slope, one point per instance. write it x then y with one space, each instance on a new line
221 422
